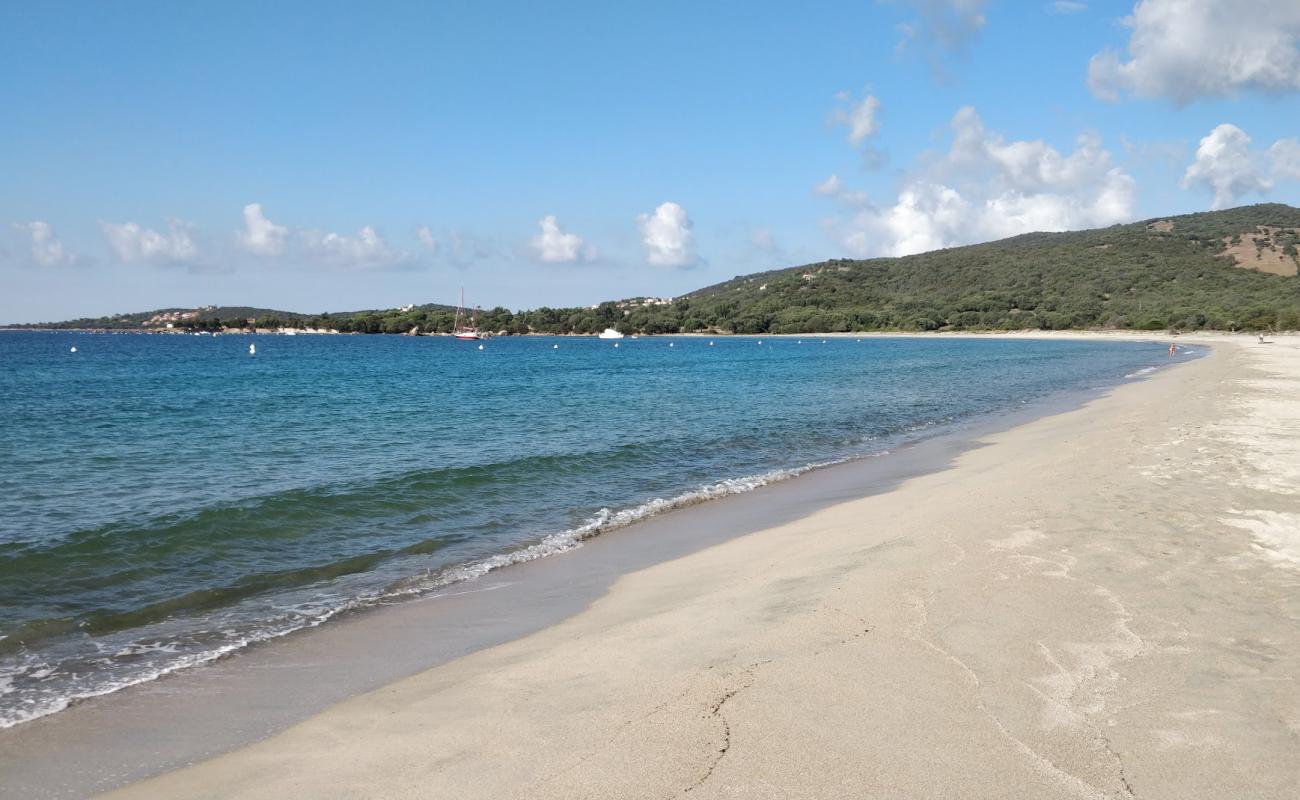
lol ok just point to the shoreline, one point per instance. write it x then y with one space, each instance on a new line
552 540
1081 334
1097 603
91 725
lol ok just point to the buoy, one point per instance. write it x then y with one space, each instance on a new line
760 341
616 344
252 349
823 341
480 347
799 342
555 347
74 350
710 344
670 344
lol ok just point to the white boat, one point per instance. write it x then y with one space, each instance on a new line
460 329
610 333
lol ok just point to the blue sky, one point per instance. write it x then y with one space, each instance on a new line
575 152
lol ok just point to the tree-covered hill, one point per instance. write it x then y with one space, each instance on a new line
1228 270
1161 273
226 317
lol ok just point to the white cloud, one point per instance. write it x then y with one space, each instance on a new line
1066 7
425 235
1228 165
46 248
834 188
261 236
985 187
667 237
1284 158
859 116
366 249
1186 49
134 243
1225 163
554 246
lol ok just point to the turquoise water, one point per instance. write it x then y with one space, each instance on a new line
169 499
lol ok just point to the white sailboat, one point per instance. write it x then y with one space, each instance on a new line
610 333
462 330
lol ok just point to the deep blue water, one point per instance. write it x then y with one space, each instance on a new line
167 499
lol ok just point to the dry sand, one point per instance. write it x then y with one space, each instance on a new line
1102 603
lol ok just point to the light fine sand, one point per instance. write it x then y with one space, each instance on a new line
1104 603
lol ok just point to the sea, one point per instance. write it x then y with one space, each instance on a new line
167 500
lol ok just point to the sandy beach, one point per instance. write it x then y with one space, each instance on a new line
1100 603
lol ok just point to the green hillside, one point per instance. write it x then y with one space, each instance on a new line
217 317
1161 273
137 320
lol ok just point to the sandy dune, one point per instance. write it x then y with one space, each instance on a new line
1103 603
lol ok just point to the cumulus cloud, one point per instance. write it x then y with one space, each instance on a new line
985 187
666 236
46 248
261 236
1187 49
425 235
1228 165
1284 158
365 250
1225 163
554 246
134 243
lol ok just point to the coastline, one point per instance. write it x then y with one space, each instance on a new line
1082 334
198 713
1095 603
789 504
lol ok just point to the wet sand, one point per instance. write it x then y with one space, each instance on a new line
1099 603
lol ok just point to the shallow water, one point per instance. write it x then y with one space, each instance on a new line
168 499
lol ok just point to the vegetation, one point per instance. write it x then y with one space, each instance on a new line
1145 275
1151 275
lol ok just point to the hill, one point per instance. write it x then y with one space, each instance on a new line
1209 270
217 317
1229 270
